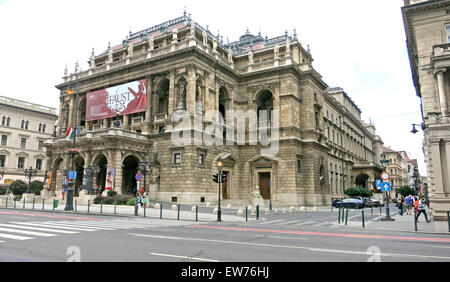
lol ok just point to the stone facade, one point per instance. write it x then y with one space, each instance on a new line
427 26
24 128
184 66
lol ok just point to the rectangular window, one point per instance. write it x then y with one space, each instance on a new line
177 158
447 32
21 162
299 163
23 143
39 164
2 161
4 140
201 159
40 145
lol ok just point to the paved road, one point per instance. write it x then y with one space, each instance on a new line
297 237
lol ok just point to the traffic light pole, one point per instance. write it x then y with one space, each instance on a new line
219 211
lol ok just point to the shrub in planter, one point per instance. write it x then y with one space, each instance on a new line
36 187
98 200
111 193
358 192
131 202
18 187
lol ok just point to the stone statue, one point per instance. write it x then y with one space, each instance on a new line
181 95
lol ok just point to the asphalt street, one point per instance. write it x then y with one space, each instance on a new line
291 237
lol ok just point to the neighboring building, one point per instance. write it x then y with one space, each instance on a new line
174 66
23 129
397 167
427 26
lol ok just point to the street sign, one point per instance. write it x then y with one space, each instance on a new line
72 174
386 187
385 176
378 182
138 176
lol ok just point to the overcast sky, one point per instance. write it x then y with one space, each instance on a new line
358 45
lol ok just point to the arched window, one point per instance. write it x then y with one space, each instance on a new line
264 102
163 96
26 124
40 127
3 120
43 128
7 121
22 125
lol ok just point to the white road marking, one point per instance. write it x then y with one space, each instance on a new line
363 253
15 237
304 223
184 257
9 230
323 223
271 221
443 247
288 222
38 229
71 225
55 226
281 237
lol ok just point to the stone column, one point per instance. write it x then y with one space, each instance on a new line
71 111
436 164
190 90
148 105
172 97
126 121
119 171
441 90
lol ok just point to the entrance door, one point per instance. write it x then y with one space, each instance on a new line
225 195
264 185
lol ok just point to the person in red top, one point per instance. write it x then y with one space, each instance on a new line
416 205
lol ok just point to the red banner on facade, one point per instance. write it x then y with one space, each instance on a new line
124 99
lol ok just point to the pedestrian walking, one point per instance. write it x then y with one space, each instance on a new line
421 208
408 203
400 205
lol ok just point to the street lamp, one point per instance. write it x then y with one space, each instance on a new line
30 173
414 130
219 167
384 163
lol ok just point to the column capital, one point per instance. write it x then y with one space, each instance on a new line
440 70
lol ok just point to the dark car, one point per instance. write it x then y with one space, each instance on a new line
351 203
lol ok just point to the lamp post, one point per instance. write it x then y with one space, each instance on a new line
414 130
219 166
143 168
30 173
384 163
73 152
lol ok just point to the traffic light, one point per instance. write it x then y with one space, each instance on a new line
224 177
216 178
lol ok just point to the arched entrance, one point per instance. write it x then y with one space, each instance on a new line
361 180
100 180
79 168
130 168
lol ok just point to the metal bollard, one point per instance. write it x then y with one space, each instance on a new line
371 210
415 222
115 205
14 203
448 219
53 205
257 212
160 211
339 216
24 203
196 213
145 212
246 213
343 216
363 224
89 204
178 216
380 210
43 201
34 200
101 207
76 205
6 202
346 216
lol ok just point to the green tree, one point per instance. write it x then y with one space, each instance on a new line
358 192
36 187
405 191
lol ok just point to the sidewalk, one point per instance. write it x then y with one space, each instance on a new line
167 212
403 223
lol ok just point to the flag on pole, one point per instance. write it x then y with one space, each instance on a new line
69 133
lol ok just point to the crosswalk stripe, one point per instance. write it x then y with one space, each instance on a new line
105 225
304 223
78 226
55 226
288 222
38 229
26 232
323 223
14 237
271 221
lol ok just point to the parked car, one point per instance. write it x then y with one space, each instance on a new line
334 202
351 203
372 202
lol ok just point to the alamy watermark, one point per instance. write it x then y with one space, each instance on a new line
238 127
